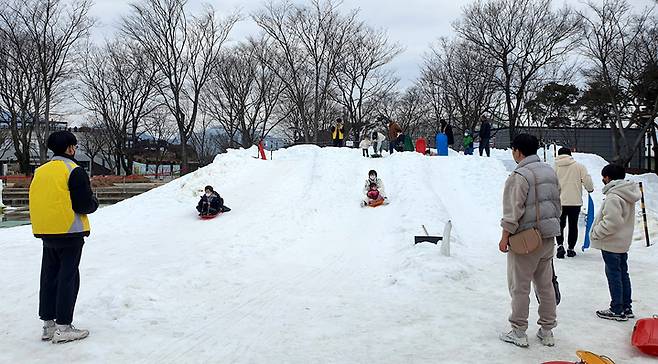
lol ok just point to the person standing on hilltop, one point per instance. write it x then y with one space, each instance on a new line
378 142
485 136
394 131
446 129
337 133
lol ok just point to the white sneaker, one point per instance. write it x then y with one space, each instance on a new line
65 333
515 337
48 330
546 337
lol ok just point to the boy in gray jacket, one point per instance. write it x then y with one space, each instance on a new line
612 233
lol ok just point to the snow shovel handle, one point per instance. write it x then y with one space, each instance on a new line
425 230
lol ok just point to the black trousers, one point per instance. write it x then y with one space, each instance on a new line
484 146
60 282
571 213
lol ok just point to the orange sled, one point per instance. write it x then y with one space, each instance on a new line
376 203
586 357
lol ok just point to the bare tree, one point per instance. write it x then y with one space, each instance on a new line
435 94
5 138
161 128
185 50
244 96
614 42
53 29
18 85
94 142
308 43
205 140
520 38
462 79
410 110
119 90
360 78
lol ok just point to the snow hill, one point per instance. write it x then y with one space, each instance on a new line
299 273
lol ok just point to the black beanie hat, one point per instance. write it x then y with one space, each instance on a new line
59 141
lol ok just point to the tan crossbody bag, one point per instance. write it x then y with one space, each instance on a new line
527 241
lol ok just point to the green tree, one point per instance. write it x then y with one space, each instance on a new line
555 105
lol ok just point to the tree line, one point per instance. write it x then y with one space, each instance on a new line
174 75
528 63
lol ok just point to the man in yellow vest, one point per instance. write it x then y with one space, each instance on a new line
60 199
337 134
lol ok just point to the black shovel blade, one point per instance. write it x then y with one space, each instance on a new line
427 239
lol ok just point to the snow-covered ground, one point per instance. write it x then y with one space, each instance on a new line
299 273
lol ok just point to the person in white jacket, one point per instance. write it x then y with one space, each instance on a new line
612 233
372 178
365 145
378 140
572 176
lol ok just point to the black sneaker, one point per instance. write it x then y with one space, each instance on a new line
571 253
560 252
609 315
629 313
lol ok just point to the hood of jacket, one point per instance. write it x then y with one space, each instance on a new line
564 160
627 190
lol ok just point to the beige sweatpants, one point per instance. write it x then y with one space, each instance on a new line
522 270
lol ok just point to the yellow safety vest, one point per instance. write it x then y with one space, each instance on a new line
336 130
51 209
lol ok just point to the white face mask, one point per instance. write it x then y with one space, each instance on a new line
208 194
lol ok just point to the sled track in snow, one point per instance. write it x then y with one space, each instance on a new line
258 299
343 259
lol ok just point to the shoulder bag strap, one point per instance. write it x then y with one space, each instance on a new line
536 197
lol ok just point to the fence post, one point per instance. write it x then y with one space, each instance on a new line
644 216
649 150
2 206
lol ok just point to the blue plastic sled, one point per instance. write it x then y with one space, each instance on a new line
442 144
589 221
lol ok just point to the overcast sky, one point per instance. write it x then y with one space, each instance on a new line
414 24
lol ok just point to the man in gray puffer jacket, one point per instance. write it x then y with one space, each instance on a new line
519 214
612 233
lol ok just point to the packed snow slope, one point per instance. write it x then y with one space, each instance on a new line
298 272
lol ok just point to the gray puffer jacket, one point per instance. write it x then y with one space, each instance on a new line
519 208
